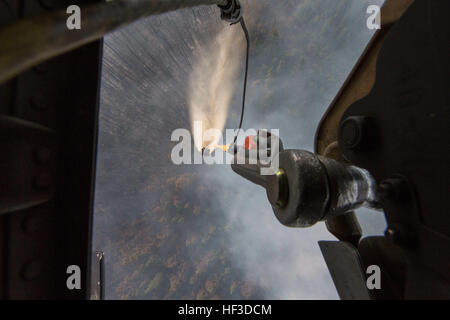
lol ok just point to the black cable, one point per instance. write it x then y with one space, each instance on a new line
232 12
247 38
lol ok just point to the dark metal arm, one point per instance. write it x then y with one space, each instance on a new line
30 41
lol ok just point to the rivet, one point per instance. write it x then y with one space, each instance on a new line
39 102
47 4
31 270
42 155
42 181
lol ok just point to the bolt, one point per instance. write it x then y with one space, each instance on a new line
47 4
392 235
354 132
35 222
31 270
398 236
386 190
39 102
42 155
392 189
43 181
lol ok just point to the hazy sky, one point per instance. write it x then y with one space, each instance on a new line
201 231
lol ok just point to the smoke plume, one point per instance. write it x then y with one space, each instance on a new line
203 232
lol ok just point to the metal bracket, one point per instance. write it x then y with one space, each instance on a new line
98 276
345 267
231 12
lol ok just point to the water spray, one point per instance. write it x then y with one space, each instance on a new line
212 80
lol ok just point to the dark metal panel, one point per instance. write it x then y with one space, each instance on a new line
358 84
391 260
98 276
361 80
344 264
405 143
39 241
